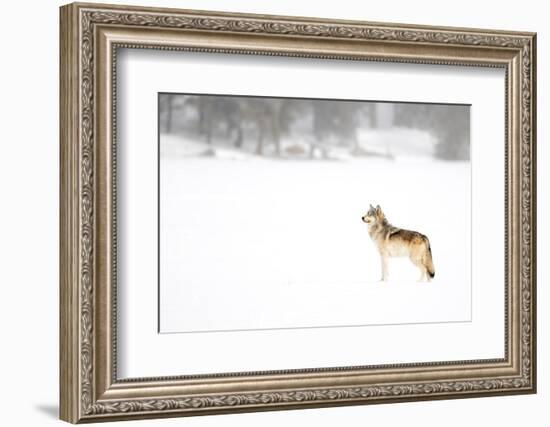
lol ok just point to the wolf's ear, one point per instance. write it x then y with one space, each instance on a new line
378 209
371 206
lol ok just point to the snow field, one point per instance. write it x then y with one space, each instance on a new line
260 243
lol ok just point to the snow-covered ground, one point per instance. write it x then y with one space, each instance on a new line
256 243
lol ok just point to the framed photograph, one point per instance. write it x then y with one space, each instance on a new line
267 212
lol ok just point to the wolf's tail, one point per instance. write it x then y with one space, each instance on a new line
428 261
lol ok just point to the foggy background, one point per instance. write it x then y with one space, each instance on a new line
220 125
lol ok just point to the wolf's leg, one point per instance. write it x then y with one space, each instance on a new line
424 277
423 273
384 262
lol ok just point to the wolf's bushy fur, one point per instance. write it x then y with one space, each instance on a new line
397 242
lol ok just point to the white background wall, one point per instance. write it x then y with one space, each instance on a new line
29 171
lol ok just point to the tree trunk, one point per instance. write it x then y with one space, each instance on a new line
354 143
239 138
260 146
202 114
169 112
277 132
208 131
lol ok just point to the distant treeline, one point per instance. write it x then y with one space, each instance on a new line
261 124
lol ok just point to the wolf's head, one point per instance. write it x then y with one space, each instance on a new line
374 215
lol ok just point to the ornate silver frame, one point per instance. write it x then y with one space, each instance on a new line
90 36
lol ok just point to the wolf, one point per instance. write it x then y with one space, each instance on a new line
396 242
